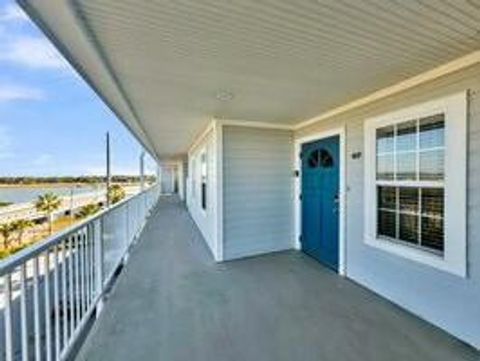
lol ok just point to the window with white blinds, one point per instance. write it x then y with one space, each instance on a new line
415 183
409 178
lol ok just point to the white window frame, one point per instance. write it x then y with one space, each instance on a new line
454 257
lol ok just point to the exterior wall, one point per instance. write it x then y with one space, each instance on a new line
205 219
447 300
182 176
185 177
167 179
257 191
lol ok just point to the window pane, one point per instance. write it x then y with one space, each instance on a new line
385 139
386 224
204 195
408 228
385 167
432 202
411 151
326 159
387 198
204 165
432 233
409 199
432 131
407 136
406 166
313 159
431 165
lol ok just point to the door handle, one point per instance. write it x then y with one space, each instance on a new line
336 201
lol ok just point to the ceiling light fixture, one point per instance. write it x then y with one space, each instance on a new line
224 95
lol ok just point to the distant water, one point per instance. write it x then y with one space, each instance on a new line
29 193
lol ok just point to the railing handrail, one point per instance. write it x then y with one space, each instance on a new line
17 259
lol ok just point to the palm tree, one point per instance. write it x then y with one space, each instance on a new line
6 230
88 210
20 225
48 203
116 193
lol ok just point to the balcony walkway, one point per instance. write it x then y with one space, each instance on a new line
173 303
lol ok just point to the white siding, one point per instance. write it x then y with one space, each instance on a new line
167 179
257 191
182 176
205 219
444 299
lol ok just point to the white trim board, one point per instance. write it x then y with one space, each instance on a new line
254 124
218 151
342 262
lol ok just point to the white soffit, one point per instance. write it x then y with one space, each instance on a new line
174 65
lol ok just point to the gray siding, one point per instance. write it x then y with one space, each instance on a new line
257 186
446 300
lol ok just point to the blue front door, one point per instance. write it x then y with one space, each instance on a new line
320 200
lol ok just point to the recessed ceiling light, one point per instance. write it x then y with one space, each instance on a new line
224 95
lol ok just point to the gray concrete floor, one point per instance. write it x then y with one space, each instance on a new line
172 302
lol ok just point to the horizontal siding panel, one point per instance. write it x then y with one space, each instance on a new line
258 164
265 191
261 171
258 184
269 223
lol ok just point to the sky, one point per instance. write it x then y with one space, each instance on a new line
51 122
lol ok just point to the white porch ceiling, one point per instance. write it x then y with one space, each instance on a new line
161 64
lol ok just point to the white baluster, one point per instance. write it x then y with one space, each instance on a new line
36 309
56 301
8 318
23 311
48 326
64 293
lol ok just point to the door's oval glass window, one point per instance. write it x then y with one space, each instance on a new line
320 158
313 159
326 159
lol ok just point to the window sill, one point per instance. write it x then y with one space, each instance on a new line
431 259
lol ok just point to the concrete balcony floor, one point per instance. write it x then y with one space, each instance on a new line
172 302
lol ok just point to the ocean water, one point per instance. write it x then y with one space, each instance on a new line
30 193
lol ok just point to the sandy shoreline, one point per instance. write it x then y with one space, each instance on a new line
55 185
48 185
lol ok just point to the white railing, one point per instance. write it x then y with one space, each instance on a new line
50 291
